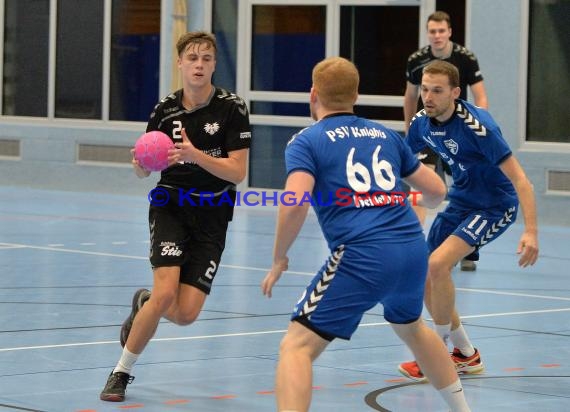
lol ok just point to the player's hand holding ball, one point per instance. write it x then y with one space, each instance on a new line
184 151
151 153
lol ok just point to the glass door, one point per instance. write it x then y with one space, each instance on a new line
279 42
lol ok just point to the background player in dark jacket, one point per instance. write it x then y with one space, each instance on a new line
441 47
212 135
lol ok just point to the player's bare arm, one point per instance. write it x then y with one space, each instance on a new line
528 244
410 103
480 95
290 219
429 184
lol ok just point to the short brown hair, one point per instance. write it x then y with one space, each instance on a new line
196 37
439 16
336 81
445 68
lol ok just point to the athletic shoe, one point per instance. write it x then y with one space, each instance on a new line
116 387
467 364
468 265
412 370
463 364
139 299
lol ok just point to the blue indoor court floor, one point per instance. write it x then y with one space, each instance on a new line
70 263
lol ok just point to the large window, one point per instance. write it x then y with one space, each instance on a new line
25 59
548 79
224 25
79 61
380 50
83 61
135 49
287 41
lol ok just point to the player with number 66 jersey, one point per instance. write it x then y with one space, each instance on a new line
378 252
359 157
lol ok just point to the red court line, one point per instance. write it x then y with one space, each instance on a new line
223 397
359 383
177 401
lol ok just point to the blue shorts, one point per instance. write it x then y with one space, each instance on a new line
475 227
357 277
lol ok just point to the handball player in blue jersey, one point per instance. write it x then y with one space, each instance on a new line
488 185
353 169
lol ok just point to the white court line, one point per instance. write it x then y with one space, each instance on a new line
83 252
86 252
10 246
292 272
524 295
265 332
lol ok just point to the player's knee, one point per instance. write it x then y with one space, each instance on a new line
438 268
162 301
288 344
187 316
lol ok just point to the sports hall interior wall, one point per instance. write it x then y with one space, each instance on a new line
44 154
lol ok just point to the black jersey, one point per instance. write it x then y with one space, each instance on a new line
216 128
463 59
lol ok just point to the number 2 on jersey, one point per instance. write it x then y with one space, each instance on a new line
359 177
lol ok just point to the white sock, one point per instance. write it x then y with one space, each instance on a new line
126 362
454 396
461 341
443 332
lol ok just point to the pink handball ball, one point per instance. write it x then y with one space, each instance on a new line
151 150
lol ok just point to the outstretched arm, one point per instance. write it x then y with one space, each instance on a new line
290 219
431 188
528 244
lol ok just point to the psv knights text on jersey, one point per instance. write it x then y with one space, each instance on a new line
460 57
216 128
357 165
471 143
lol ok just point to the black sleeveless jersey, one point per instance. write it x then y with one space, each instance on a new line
216 128
463 59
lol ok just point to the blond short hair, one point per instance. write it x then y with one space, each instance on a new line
336 80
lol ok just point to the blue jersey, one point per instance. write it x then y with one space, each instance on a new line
357 165
471 143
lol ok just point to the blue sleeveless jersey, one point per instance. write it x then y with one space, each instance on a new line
357 165
471 143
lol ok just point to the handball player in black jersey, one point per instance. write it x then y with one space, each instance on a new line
212 135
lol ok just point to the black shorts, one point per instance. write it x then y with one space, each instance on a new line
191 237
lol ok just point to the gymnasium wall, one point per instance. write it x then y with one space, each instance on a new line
58 154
